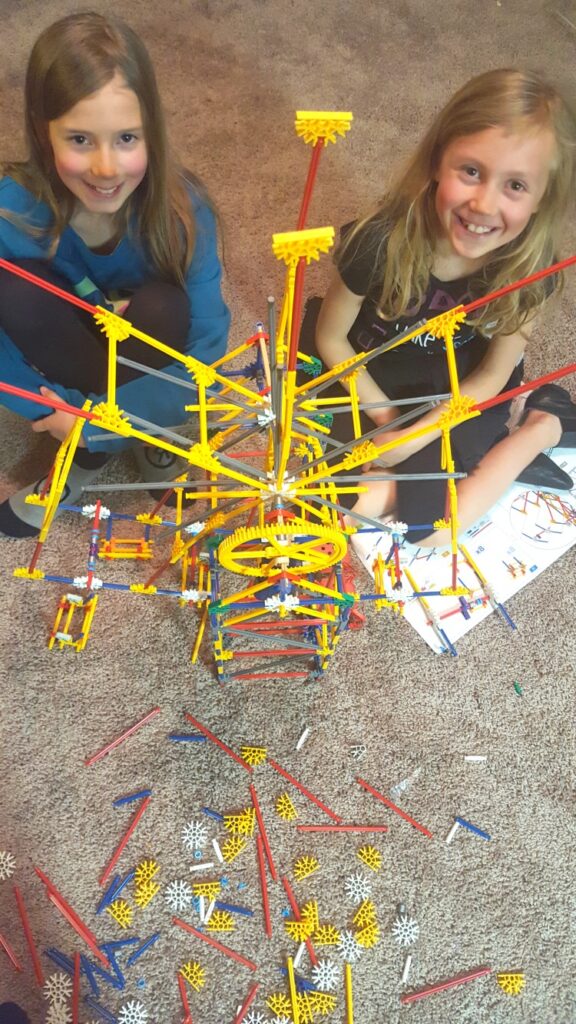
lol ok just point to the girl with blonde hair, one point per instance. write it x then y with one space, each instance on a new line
481 204
101 208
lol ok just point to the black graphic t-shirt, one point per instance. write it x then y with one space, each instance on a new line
418 366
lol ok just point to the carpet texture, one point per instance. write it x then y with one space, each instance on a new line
232 75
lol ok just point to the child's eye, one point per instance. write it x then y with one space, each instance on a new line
470 171
128 137
517 186
78 140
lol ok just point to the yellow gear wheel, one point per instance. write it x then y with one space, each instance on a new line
296 546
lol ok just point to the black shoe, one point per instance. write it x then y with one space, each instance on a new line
555 400
545 475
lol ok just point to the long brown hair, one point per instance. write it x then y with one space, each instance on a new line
405 224
70 60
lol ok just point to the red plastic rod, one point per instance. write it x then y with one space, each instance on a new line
10 953
441 986
123 842
263 886
246 1004
385 800
29 937
219 743
304 791
263 833
215 944
342 828
124 736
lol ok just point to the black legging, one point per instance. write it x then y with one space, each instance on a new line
65 343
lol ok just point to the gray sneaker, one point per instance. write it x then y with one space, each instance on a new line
157 466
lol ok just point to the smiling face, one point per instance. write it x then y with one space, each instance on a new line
488 187
99 148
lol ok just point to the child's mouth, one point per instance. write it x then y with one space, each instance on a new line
104 193
474 229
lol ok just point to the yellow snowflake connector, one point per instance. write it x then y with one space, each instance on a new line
146 871
322 125
458 411
194 974
146 892
304 867
322 1002
253 755
121 912
113 326
299 931
280 1005
309 913
366 914
221 921
511 982
368 936
241 824
232 847
208 889
446 325
371 857
285 808
292 246
326 935
305 1008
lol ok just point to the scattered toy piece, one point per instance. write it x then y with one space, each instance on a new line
405 930
371 857
304 867
511 982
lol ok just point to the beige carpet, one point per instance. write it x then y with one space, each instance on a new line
233 74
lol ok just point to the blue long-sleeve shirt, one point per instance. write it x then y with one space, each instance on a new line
92 277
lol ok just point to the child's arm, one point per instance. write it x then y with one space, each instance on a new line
486 381
337 314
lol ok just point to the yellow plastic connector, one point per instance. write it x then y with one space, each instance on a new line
446 324
454 591
366 914
285 808
121 911
371 857
291 246
149 520
113 326
194 974
208 889
322 1002
111 418
322 125
145 892
24 573
458 410
37 499
299 931
146 871
279 1004
304 867
204 375
368 936
360 454
326 935
141 588
200 455
241 824
253 755
309 913
221 921
511 982
232 847
441 524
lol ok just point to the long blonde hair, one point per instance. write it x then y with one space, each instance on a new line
405 224
72 59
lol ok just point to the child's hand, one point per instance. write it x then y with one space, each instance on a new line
59 423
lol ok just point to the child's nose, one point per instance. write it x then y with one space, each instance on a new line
104 164
485 199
